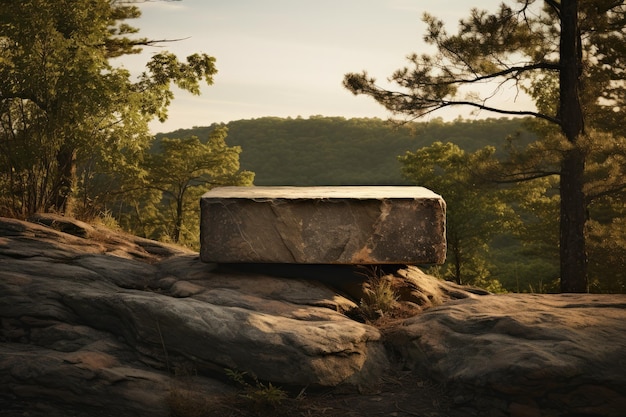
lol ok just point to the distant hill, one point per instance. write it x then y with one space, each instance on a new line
338 151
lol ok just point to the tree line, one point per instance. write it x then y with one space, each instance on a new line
337 151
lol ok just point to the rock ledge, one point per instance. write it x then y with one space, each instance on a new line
97 323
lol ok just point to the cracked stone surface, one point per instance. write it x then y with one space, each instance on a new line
323 225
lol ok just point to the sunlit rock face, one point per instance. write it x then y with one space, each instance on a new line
323 225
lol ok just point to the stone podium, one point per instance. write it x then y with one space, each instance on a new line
323 225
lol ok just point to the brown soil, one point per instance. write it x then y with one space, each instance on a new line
401 394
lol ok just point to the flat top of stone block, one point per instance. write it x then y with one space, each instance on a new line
323 192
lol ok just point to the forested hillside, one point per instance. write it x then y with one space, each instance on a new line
338 151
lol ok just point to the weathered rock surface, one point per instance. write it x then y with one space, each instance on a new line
547 354
96 323
323 225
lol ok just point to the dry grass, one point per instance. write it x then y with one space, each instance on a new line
379 297
253 398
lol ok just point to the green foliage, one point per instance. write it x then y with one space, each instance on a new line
237 377
568 56
474 213
339 151
177 173
68 117
607 256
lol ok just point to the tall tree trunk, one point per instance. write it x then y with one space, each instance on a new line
455 247
66 181
178 226
573 208
457 269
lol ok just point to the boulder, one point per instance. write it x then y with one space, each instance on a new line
323 225
546 354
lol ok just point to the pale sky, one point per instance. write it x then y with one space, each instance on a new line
287 58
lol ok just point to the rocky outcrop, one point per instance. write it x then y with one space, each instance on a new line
78 302
98 323
539 354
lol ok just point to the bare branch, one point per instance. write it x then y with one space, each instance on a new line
555 6
518 177
154 42
429 106
517 70
611 191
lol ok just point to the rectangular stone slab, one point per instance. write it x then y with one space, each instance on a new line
323 225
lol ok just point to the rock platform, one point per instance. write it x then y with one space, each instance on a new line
323 225
98 323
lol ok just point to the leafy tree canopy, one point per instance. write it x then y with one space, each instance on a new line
184 169
475 214
62 103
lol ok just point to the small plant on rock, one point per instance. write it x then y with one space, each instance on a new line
262 395
107 220
379 297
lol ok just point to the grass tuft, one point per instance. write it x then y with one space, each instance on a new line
379 296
